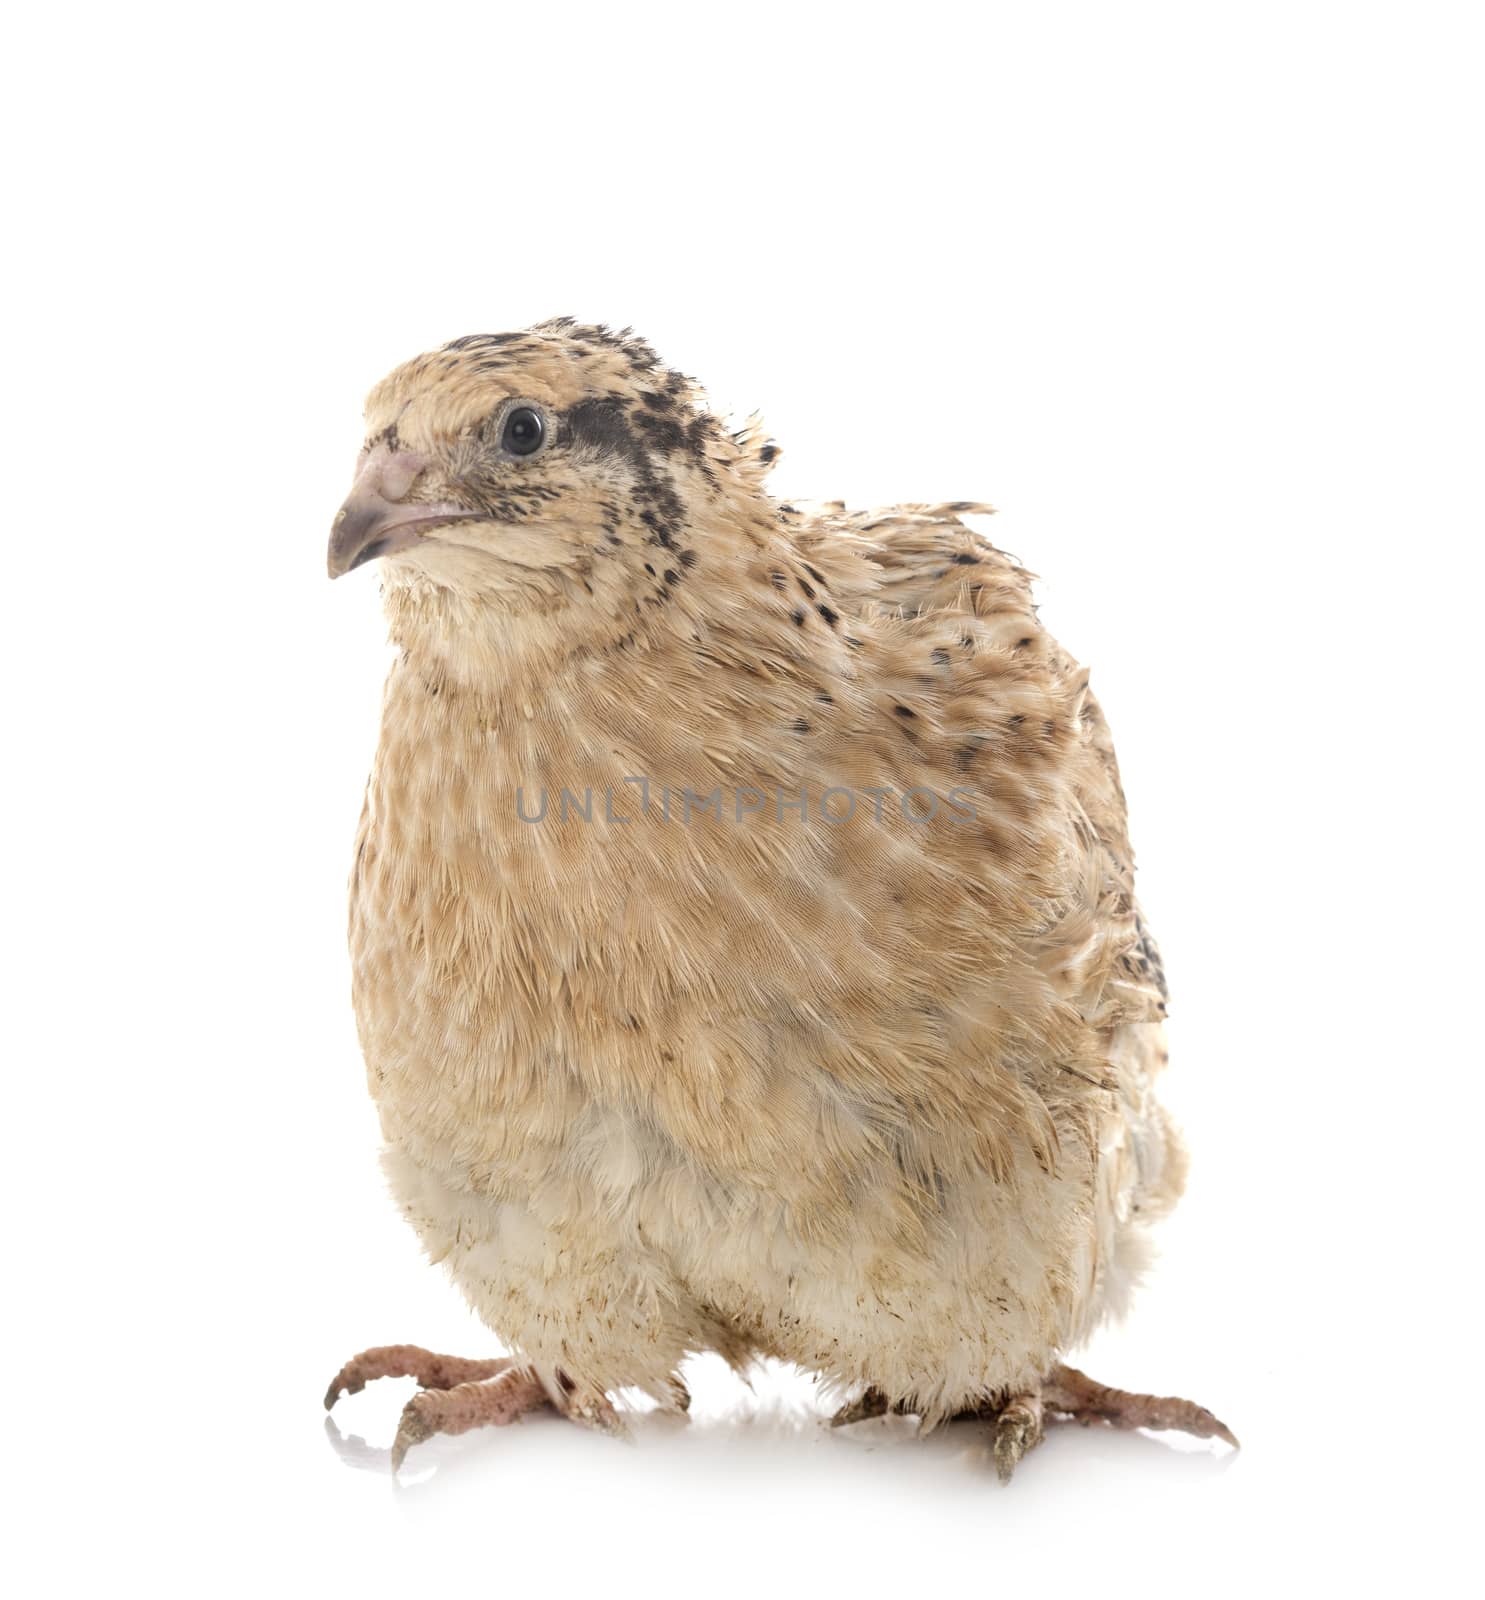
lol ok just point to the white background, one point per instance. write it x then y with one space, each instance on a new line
1191 292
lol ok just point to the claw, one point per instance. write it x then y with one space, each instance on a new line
1018 1430
341 1384
412 1428
872 1403
594 1412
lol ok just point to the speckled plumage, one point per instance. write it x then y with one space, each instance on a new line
872 1095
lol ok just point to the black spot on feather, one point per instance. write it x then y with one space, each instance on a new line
600 424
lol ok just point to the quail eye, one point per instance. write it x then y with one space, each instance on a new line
523 433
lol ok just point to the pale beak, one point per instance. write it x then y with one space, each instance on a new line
376 519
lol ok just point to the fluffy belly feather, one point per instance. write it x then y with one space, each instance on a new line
612 1261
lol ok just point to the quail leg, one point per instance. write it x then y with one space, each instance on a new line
1020 1419
495 1403
459 1394
432 1371
491 1404
1066 1392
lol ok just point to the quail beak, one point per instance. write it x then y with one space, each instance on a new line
377 521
